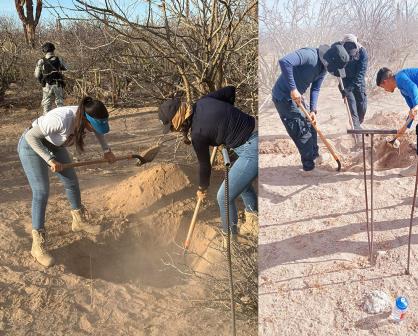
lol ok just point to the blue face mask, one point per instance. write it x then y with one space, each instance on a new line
101 126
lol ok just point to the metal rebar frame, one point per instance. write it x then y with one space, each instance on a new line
369 223
414 198
227 164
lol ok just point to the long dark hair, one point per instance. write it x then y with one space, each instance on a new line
94 108
186 125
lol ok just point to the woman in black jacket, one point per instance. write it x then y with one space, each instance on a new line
214 121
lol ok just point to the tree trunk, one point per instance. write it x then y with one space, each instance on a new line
29 21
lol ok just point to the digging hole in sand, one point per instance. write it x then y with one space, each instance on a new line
128 259
158 201
350 156
384 156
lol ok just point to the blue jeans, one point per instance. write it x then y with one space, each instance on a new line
242 174
300 130
36 170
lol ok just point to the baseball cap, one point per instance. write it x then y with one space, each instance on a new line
167 111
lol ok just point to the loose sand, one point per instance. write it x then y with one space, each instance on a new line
313 270
118 283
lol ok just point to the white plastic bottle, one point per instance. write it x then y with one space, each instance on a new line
399 309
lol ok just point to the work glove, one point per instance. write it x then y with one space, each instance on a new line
344 91
393 143
201 194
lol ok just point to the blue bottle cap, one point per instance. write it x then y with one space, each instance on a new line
401 303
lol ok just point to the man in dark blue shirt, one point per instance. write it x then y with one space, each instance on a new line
300 69
406 80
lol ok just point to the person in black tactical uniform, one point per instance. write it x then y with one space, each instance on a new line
48 71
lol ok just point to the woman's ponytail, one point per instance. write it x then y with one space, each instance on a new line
94 108
186 125
80 126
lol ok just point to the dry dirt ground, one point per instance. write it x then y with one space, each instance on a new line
314 269
118 283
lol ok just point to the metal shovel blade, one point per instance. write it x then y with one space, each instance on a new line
149 155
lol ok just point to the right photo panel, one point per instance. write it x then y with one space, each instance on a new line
338 99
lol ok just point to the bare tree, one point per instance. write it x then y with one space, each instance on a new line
384 27
188 46
8 56
29 20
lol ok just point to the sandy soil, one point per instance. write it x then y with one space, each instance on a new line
314 269
118 283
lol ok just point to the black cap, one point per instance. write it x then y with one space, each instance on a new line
351 48
167 111
336 56
48 47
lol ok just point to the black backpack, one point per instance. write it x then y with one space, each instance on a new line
52 71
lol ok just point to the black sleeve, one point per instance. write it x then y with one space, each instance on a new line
226 94
203 156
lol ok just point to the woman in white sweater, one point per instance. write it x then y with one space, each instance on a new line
42 147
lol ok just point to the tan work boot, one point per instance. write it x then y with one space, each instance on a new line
39 250
250 224
81 222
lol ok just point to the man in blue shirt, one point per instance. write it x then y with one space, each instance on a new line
355 79
300 69
406 81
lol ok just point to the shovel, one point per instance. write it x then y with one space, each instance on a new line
196 210
321 135
146 157
350 118
392 143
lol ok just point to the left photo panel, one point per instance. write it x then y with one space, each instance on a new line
129 178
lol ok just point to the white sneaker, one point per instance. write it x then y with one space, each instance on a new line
410 171
323 158
314 173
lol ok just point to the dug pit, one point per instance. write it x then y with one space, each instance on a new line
157 203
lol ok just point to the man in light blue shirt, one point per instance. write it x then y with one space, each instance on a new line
406 80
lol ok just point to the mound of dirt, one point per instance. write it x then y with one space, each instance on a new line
386 119
148 186
279 146
384 156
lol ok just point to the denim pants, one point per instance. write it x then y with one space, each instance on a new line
36 170
243 172
300 130
357 102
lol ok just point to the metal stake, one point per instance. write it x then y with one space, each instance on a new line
412 210
370 229
367 199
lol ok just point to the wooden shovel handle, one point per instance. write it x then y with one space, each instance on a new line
350 117
93 162
322 136
402 130
196 209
